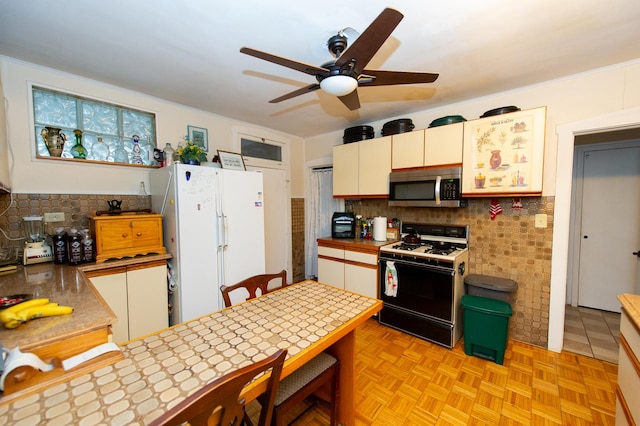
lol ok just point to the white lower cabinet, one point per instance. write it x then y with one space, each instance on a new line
349 270
137 295
627 407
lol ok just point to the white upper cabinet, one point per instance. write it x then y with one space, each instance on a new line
374 165
345 170
443 145
432 147
407 150
362 168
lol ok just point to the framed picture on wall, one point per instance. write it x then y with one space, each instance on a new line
503 154
231 160
199 136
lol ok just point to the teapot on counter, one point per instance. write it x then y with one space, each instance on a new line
115 206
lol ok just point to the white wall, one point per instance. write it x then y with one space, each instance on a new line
31 175
568 99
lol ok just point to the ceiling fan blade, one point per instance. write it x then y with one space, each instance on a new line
370 41
285 62
301 91
386 78
351 100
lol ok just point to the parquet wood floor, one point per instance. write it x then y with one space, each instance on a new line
403 380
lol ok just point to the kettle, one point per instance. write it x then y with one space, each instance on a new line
114 206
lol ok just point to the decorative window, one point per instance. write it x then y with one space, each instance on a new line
119 128
261 152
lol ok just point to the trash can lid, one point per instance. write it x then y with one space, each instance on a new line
486 305
491 283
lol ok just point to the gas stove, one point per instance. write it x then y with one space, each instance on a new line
421 281
426 241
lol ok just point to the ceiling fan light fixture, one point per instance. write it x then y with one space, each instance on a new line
339 85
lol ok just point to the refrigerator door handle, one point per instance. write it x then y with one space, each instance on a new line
220 231
225 227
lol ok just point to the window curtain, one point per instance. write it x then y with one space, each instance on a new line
321 208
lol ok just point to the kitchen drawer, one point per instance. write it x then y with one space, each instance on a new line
126 235
356 256
630 334
629 383
331 252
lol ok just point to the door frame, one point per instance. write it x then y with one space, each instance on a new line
619 120
256 164
576 214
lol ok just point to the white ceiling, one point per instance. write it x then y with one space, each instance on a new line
187 51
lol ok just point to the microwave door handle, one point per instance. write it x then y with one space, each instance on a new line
438 179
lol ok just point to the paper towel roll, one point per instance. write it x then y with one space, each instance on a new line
380 228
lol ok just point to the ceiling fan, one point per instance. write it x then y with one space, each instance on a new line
342 76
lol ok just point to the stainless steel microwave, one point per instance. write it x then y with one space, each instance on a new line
426 188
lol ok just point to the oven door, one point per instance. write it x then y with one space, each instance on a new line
422 289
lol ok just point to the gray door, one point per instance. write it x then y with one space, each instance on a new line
610 227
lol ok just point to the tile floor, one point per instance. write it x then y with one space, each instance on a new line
592 332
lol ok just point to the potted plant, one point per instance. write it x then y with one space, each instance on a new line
191 153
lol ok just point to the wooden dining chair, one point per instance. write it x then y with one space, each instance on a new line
219 402
319 372
248 288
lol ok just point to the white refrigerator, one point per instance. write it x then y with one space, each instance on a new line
213 226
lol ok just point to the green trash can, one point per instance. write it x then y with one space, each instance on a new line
486 323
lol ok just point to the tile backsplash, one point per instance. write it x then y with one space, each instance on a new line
509 246
75 207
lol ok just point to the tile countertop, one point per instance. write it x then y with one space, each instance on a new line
162 369
631 304
65 285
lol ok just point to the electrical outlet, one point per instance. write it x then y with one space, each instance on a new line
541 221
54 217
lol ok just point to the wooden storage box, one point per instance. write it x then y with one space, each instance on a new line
126 235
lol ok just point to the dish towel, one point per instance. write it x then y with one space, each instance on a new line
495 209
391 286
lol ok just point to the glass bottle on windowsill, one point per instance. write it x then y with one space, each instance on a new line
120 154
78 151
100 150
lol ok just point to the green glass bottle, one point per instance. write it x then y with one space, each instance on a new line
78 151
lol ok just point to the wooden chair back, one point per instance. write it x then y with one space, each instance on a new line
252 285
219 402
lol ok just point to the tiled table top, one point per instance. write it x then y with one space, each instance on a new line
163 369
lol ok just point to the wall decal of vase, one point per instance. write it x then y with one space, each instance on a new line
495 159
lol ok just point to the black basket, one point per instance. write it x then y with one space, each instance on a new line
357 133
394 127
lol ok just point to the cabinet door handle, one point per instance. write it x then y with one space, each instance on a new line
125 235
139 234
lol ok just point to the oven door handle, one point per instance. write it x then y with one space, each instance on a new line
437 192
434 268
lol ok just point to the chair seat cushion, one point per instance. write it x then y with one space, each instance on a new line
303 375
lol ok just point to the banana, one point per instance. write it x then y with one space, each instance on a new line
9 314
12 324
42 311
